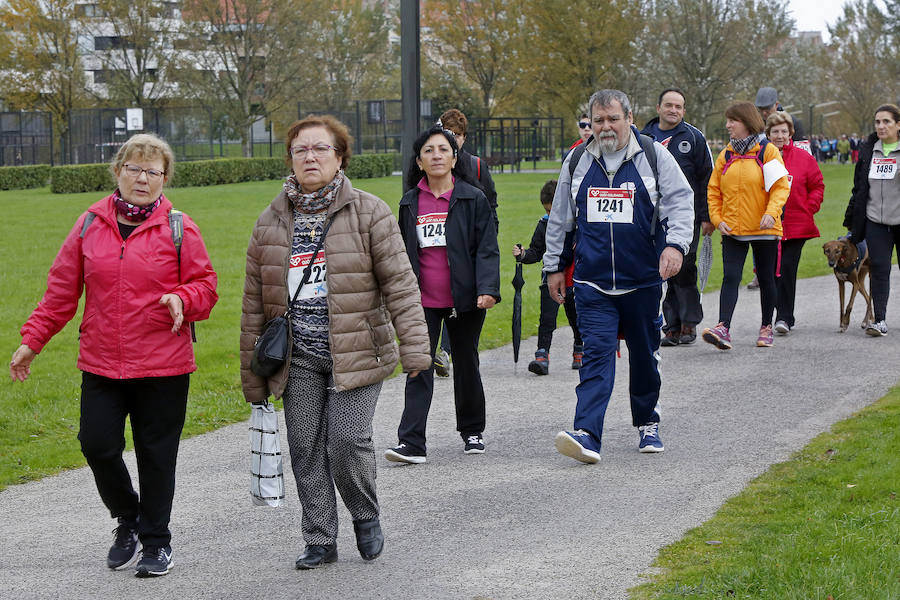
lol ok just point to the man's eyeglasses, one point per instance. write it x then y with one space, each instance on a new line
319 150
584 125
135 172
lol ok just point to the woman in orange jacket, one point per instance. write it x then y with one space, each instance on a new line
747 191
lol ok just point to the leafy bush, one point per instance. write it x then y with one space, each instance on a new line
21 178
72 179
227 170
365 166
89 178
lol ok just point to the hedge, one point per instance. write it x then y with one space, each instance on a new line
71 179
90 178
21 178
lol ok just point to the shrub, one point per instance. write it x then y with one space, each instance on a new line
227 170
72 179
21 178
365 166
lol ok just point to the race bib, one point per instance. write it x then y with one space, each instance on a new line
610 205
883 168
430 230
316 286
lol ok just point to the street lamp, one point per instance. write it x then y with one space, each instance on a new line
812 107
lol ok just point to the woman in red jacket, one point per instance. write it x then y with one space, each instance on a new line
146 277
804 201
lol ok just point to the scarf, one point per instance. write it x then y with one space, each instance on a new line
133 212
742 145
317 201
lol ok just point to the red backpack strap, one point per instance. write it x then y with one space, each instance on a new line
478 162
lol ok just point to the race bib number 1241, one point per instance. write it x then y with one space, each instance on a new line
610 205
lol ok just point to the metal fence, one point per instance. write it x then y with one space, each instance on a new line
26 138
376 125
512 140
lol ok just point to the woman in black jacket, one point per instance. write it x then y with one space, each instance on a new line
451 241
873 213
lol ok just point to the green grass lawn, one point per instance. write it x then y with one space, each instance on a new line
823 525
39 419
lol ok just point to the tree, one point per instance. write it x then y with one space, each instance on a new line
864 61
717 51
248 55
575 48
476 45
42 68
134 44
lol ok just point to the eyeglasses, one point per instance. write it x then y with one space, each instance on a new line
135 172
584 125
319 150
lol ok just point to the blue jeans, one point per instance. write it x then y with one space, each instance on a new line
600 318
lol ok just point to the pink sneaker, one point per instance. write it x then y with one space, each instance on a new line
718 336
765 339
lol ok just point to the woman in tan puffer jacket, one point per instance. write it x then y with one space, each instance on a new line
344 330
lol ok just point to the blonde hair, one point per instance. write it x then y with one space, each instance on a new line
147 146
777 118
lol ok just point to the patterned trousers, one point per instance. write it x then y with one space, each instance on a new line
330 439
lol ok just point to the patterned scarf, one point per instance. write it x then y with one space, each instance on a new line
742 145
133 212
317 201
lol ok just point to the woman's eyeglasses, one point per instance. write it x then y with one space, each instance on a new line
135 172
584 125
319 150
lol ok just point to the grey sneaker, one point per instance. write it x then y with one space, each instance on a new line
877 329
782 328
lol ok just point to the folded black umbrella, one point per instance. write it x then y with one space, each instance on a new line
517 281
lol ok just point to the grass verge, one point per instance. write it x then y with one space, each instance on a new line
824 525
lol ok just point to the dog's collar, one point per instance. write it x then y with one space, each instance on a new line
861 250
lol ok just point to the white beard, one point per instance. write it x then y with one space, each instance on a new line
608 142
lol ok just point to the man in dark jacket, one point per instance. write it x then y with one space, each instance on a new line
681 307
469 165
767 103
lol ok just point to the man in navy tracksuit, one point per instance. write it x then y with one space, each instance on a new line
630 211
681 308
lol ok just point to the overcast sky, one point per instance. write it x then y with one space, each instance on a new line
812 15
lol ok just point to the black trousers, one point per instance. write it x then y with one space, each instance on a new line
882 240
464 330
547 322
786 283
157 408
734 254
681 305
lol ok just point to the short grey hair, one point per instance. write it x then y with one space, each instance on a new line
606 97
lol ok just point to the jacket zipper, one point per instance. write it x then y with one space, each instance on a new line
374 343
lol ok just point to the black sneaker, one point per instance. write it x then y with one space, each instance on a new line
671 338
125 545
156 561
474 444
403 453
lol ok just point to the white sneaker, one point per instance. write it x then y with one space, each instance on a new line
781 328
877 329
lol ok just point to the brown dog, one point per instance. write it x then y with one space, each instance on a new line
844 258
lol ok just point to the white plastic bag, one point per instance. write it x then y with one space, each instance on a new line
266 471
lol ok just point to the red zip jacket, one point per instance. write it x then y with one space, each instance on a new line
807 192
125 333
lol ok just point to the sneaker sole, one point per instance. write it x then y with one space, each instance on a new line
716 341
400 458
474 451
129 562
651 450
875 333
760 344
145 573
532 368
442 371
782 331
566 446
327 561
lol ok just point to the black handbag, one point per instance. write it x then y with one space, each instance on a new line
274 343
